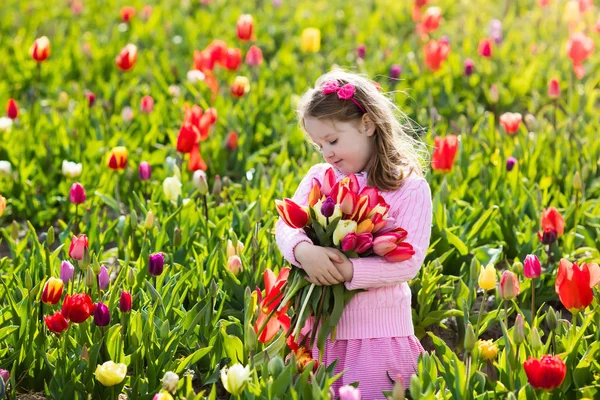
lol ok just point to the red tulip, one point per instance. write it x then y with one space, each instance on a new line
579 48
232 59
77 193
77 308
272 298
431 20
240 86
485 48
196 160
127 57
125 302
444 153
245 24
510 122
78 246
91 98
392 247
553 89
147 104
574 284
56 323
127 13
53 290
435 53
187 138
546 373
254 56
40 49
12 110
553 225
292 214
232 141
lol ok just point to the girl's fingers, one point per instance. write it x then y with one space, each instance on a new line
334 256
335 273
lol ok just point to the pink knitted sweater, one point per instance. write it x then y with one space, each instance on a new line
384 309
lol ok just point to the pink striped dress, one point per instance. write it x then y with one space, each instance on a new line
375 335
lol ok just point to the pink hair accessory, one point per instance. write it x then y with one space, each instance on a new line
345 92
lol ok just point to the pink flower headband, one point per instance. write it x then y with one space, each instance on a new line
345 92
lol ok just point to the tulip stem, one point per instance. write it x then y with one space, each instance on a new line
479 315
533 310
118 194
204 203
296 328
75 229
554 116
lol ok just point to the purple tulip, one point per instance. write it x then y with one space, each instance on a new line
101 314
103 278
66 271
156 264
5 375
145 171
496 31
361 51
328 207
510 163
395 71
469 67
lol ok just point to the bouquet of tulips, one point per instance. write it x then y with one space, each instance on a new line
357 223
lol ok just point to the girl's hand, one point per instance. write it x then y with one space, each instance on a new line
318 261
345 267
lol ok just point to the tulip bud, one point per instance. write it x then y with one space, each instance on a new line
577 183
245 24
177 237
553 89
275 366
90 277
12 110
125 302
156 264
487 277
398 392
77 193
310 40
28 281
199 180
165 328
170 381
86 258
131 277
66 271
4 375
214 288
133 220
234 265
14 230
361 51
145 171
101 314
510 163
254 56
551 320
147 104
532 267
240 86
395 71
217 186
328 207
96 265
91 98
531 122
536 342
469 67
103 278
250 340
519 330
149 222
232 141
509 285
470 338
494 95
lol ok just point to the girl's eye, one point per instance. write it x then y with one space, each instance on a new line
333 142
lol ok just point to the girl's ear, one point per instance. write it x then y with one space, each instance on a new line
368 126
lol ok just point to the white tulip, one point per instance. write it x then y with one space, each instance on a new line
5 168
194 76
170 381
5 124
234 379
172 188
71 169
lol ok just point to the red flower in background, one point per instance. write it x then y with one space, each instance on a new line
12 110
444 153
127 13
270 302
436 53
546 373
245 25
574 284
127 57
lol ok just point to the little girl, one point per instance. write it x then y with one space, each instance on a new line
356 130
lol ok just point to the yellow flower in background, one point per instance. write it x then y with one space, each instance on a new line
2 205
110 373
487 349
311 40
487 278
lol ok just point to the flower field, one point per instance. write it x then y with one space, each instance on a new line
143 147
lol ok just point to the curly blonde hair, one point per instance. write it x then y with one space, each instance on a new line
397 153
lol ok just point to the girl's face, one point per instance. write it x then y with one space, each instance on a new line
348 146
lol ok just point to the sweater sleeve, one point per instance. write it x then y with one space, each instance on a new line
414 213
286 237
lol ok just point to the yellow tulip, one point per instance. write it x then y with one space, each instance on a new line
311 40
487 278
343 228
110 374
487 349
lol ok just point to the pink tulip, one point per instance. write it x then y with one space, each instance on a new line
531 266
364 242
509 285
78 246
349 242
147 104
328 182
77 193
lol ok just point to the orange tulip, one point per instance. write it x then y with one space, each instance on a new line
245 24
2 204
12 110
232 141
240 86
117 158
127 57
270 302
553 225
444 153
315 193
435 53
292 214
40 49
510 122
574 284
